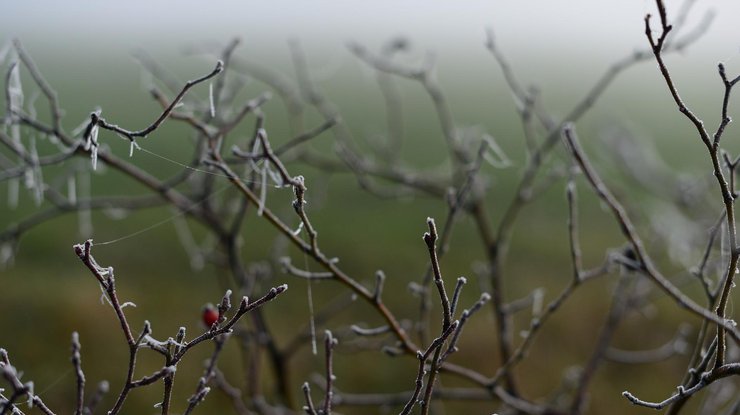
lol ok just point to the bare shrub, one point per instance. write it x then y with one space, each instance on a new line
433 334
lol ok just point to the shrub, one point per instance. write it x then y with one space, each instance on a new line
431 322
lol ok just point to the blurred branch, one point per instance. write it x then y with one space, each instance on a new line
628 229
677 345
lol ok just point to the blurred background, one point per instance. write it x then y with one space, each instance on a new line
88 52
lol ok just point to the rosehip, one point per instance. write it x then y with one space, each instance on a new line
210 315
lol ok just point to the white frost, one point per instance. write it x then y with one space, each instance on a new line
210 98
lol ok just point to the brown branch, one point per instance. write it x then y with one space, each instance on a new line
310 409
221 327
329 343
132 135
434 347
730 369
430 238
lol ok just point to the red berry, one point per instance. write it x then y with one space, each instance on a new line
210 315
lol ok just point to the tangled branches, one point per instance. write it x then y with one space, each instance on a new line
231 176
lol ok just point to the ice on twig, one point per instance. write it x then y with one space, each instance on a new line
537 296
174 342
7 254
134 144
93 140
495 156
299 229
104 297
29 392
72 189
276 178
14 90
14 184
80 128
211 101
30 107
263 192
34 176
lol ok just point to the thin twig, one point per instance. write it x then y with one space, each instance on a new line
329 343
77 363
310 409
132 135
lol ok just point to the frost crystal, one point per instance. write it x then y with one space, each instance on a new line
131 149
28 179
174 342
14 184
72 189
210 97
36 176
94 146
495 156
263 192
537 297
29 392
299 229
276 178
15 89
7 254
80 128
